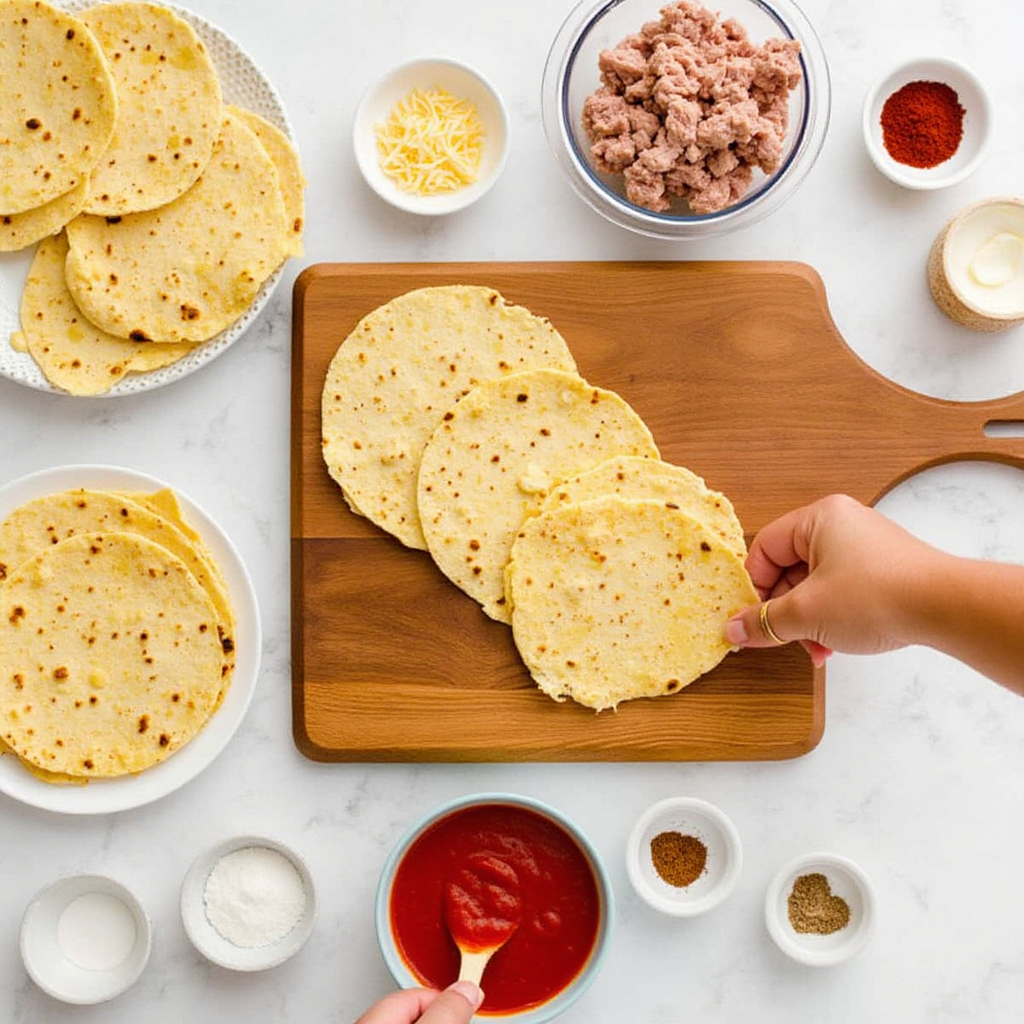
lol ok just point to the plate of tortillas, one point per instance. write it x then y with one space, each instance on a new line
129 639
150 194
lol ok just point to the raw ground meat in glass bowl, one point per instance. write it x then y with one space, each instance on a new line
678 121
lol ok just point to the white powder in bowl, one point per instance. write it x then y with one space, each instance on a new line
254 896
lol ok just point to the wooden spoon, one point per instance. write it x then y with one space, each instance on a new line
482 908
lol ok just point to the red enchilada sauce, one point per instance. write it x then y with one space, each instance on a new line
511 864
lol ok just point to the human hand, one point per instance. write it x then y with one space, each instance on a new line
839 575
455 1005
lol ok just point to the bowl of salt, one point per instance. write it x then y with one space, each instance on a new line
248 903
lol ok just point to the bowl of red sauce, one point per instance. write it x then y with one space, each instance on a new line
564 905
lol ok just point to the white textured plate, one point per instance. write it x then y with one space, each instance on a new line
103 796
243 84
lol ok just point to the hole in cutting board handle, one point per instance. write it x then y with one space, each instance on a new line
1004 428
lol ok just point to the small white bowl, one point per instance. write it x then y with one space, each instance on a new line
849 883
214 946
463 83
977 122
693 817
48 957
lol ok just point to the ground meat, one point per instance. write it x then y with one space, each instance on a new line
690 107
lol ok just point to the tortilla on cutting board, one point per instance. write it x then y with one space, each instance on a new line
496 455
617 598
632 476
394 376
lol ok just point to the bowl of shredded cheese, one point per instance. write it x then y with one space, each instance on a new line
431 137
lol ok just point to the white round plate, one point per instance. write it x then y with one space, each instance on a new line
243 84
103 796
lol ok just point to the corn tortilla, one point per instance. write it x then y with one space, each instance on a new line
616 598
496 455
392 378
109 659
187 270
58 107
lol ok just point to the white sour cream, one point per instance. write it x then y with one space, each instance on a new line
985 258
96 931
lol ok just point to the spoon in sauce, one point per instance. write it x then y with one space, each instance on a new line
482 908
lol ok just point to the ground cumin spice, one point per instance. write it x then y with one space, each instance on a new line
922 124
679 859
813 908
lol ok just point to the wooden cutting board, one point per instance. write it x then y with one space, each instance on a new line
741 376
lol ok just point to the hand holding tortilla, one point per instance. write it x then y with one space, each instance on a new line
841 576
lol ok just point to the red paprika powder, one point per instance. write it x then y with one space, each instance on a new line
922 124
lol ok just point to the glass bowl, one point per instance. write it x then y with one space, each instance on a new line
571 74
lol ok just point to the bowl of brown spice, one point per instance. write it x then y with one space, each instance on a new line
820 909
927 123
683 856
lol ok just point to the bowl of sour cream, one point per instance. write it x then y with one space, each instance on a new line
85 939
976 265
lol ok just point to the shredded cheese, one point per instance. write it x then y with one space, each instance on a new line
430 143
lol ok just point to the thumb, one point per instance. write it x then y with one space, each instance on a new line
455 1005
771 624
759 625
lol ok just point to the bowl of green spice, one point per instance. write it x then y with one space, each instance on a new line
820 909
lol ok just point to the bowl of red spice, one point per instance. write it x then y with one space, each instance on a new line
927 123
684 856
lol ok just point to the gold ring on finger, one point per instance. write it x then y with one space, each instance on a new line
766 626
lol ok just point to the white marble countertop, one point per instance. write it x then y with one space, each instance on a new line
920 774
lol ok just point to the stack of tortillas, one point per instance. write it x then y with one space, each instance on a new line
117 634
458 422
159 209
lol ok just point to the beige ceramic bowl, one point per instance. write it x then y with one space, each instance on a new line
989 303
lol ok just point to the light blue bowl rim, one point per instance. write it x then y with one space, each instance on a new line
560 1003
